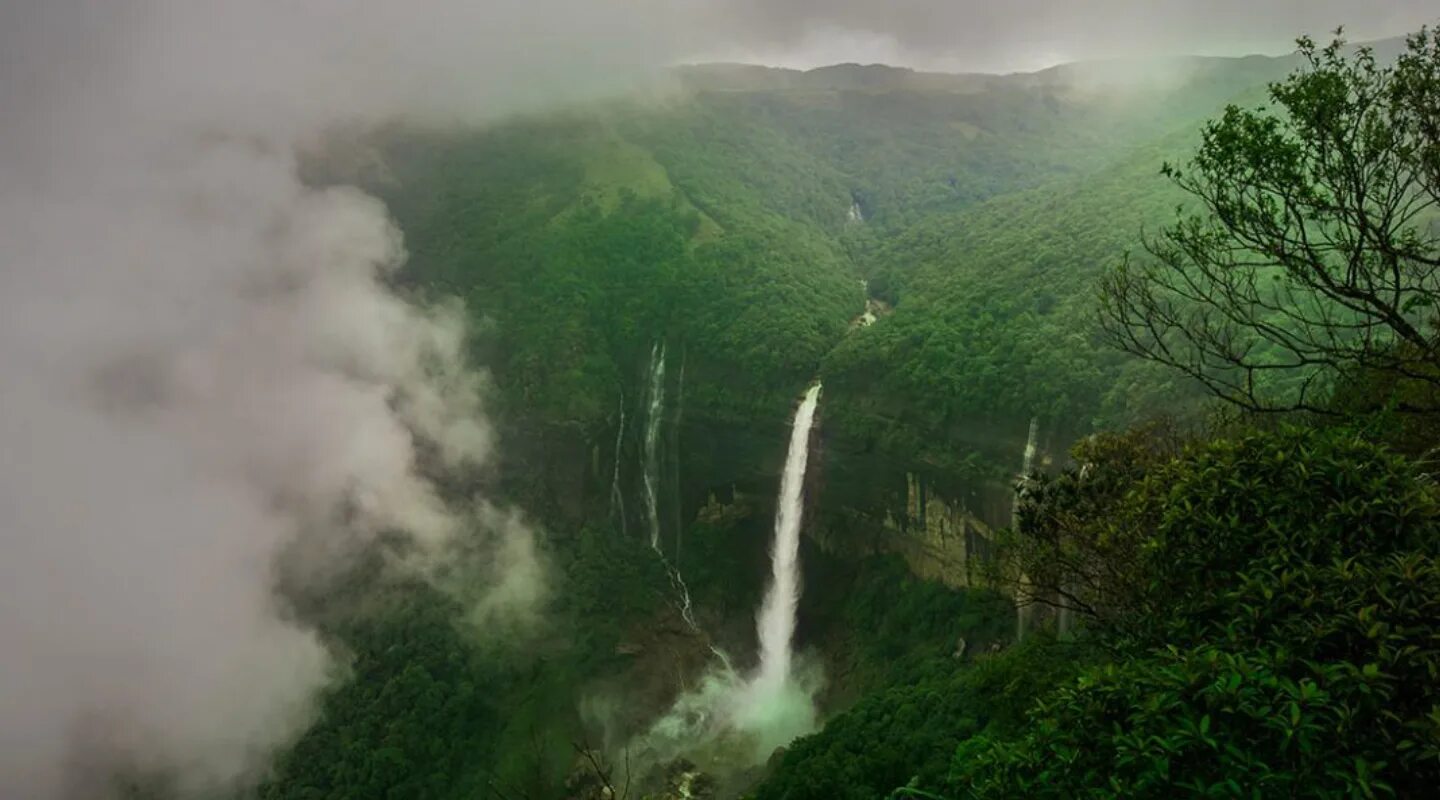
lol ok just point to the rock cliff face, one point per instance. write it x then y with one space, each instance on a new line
941 538
941 524
860 501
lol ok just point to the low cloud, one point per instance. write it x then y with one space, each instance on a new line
205 363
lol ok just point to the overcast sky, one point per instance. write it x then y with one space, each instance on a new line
1008 35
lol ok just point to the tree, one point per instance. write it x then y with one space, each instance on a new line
1280 644
1063 550
1315 250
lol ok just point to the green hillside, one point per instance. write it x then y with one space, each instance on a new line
1253 593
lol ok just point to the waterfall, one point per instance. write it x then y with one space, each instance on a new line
1022 608
682 591
1028 459
651 474
855 216
617 497
776 621
652 441
674 460
772 706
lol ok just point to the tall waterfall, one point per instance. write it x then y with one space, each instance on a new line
1028 460
652 441
654 416
776 621
617 497
728 715
676 522
1023 608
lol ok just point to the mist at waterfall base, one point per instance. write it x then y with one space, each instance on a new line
729 720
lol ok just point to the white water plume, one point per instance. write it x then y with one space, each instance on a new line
1023 608
653 418
776 622
730 720
617 497
1028 459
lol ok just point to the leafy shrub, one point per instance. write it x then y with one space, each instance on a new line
1283 645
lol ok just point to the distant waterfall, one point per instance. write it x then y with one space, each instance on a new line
655 415
1028 459
652 441
676 522
1023 609
776 621
617 497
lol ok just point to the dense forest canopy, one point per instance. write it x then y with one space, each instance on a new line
1217 604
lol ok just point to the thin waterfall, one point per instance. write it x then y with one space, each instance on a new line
652 441
676 521
617 497
1028 460
655 415
1022 608
683 592
776 620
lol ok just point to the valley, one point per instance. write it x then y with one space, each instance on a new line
654 285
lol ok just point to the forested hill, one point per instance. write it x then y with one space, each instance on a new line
653 282
719 218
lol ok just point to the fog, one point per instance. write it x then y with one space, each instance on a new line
204 363
1022 35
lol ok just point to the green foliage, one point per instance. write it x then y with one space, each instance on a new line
578 241
1062 549
1284 503
1267 620
433 708
904 734
610 583
1313 251
1282 643
917 700
994 319
408 721
902 625
718 222
1203 722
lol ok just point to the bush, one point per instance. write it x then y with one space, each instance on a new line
1283 645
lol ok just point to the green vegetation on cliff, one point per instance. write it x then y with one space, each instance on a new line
1257 599
1249 602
